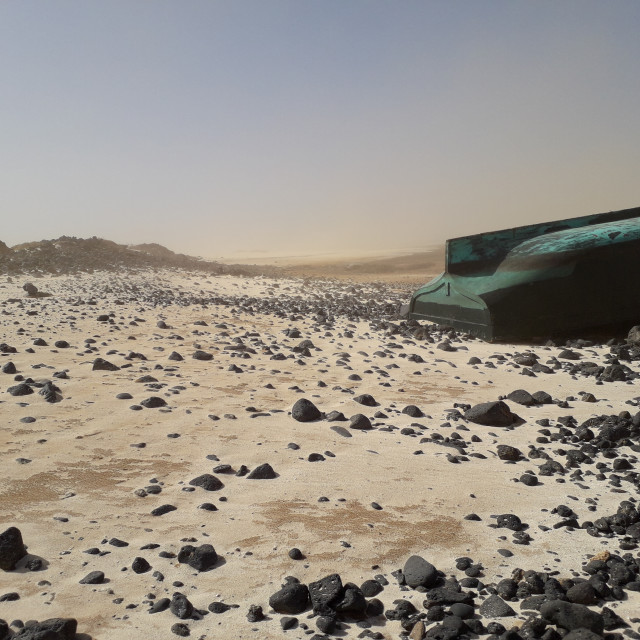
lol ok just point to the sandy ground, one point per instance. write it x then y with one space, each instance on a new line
78 489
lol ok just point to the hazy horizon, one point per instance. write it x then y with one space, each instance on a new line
218 128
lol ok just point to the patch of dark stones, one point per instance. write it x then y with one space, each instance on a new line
608 437
453 606
462 607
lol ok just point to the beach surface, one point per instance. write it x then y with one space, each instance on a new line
206 371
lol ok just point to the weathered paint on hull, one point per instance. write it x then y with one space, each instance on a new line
564 281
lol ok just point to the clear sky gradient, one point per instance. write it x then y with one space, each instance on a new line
285 126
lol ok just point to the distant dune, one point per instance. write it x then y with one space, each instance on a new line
414 267
408 266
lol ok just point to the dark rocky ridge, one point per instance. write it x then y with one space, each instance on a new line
67 255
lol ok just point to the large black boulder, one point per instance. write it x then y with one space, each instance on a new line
522 397
50 392
305 411
154 402
200 558
360 421
582 593
291 599
366 399
509 521
542 397
325 594
419 573
263 472
447 595
94 577
507 452
51 629
491 414
207 482
413 411
180 606
12 548
22 389
140 565
572 616
495 607
353 603
100 364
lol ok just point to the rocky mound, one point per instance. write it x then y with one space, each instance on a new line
72 255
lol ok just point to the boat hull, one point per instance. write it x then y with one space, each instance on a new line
565 282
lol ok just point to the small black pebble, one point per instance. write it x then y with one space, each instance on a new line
296 554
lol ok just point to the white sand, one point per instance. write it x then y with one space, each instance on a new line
87 471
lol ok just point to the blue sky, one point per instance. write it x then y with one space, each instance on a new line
289 126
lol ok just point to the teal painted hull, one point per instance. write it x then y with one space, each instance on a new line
557 278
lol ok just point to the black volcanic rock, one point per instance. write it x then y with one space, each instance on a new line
305 411
180 606
263 472
291 599
154 402
140 565
582 593
51 629
200 558
9 367
12 548
30 288
495 607
413 411
366 399
491 414
572 616
100 364
94 577
509 521
161 510
325 594
522 397
22 389
542 397
507 452
160 605
208 482
360 421
353 602
419 573
255 613
50 392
